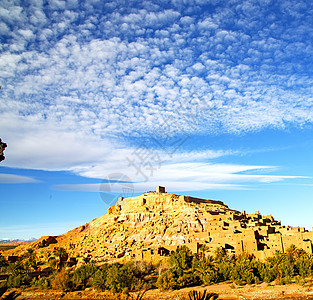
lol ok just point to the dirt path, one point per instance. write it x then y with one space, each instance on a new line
225 291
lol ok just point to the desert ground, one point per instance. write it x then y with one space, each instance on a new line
226 291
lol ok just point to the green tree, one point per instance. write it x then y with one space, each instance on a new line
273 268
61 281
202 249
99 278
293 253
18 280
117 278
180 261
304 265
41 282
16 268
82 276
220 254
61 255
29 259
243 270
166 281
3 264
205 269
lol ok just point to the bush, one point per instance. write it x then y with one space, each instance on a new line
186 280
17 281
194 295
99 279
166 281
61 281
243 271
82 276
117 278
304 265
3 264
225 268
41 282
180 261
206 270
15 268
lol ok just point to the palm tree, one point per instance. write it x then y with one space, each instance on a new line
194 295
293 253
201 250
206 269
62 256
30 260
220 253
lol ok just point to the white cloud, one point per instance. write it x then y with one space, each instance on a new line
74 83
11 178
27 34
178 177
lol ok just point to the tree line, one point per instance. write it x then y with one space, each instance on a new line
181 269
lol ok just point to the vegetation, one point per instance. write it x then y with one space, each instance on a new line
194 295
181 270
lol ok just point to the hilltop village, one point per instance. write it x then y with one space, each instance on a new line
151 226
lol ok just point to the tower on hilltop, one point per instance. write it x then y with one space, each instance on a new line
160 189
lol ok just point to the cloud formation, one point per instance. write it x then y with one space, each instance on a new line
175 177
79 80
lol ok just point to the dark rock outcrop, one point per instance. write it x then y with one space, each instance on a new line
2 147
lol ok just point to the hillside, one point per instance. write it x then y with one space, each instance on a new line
152 225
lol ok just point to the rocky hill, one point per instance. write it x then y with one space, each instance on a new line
152 225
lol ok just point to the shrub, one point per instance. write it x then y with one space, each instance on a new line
243 270
304 265
29 260
186 280
82 276
117 278
16 281
15 268
225 268
180 260
61 281
194 295
166 281
41 282
206 270
3 264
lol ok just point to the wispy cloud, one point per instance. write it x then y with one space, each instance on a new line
182 177
11 178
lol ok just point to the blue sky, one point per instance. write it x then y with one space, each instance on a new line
107 98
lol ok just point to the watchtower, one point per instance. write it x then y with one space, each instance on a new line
160 189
